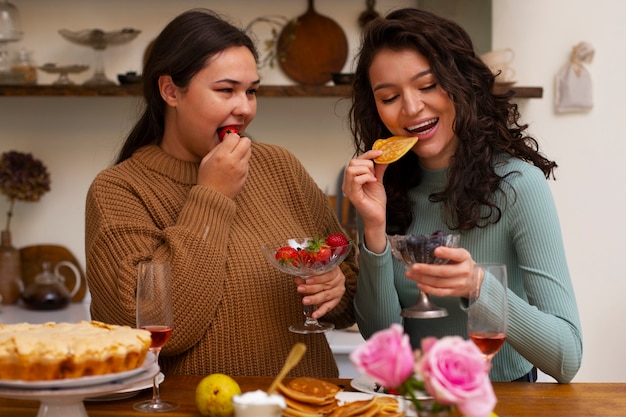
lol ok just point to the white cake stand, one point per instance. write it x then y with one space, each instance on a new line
68 402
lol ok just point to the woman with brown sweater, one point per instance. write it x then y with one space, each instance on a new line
179 193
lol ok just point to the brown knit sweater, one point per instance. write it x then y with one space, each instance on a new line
232 309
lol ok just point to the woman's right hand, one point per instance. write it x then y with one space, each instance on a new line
225 168
363 185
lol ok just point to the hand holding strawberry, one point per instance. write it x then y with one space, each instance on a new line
308 257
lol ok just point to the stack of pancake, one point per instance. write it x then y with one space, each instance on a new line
311 397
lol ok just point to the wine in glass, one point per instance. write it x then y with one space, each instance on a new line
411 249
295 258
487 316
154 313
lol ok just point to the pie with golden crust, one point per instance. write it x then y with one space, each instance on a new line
50 351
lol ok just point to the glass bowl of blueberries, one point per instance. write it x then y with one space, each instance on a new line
410 249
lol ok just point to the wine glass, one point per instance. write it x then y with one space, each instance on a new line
154 313
411 249
305 266
487 316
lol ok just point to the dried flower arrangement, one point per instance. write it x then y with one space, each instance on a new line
23 178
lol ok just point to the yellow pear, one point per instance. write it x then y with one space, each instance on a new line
214 395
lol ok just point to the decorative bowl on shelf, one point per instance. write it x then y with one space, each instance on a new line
63 71
99 40
130 77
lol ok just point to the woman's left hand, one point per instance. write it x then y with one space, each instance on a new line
453 279
324 291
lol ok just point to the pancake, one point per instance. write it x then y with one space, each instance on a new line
311 397
311 408
310 390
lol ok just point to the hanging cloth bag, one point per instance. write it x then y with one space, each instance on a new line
573 82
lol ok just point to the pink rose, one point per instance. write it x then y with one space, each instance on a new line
387 357
455 372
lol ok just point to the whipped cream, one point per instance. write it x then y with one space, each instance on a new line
258 404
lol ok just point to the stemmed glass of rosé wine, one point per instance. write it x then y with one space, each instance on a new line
487 315
411 249
307 257
154 313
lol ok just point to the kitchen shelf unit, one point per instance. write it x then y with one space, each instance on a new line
134 90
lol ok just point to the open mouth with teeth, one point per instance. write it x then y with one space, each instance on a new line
424 126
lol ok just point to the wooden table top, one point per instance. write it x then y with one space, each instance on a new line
514 399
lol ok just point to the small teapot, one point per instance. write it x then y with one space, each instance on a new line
48 290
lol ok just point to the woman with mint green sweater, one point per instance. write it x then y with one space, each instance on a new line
474 171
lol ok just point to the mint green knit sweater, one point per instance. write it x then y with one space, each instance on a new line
232 309
544 327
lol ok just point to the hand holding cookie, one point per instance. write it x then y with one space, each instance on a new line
393 148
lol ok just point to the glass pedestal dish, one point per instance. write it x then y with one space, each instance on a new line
99 40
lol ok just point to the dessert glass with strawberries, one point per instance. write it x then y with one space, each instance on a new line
307 257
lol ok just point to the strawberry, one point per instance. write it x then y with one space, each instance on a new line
304 257
315 246
286 255
313 252
222 131
338 239
322 255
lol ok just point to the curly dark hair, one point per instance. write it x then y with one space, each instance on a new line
181 50
486 123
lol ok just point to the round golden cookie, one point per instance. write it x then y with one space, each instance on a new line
393 148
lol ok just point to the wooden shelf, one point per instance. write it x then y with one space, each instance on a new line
71 90
132 90
521 92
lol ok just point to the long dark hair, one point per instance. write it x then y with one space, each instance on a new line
486 123
181 50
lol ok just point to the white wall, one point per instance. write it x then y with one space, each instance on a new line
76 137
589 148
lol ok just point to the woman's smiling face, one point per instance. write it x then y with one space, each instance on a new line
411 102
